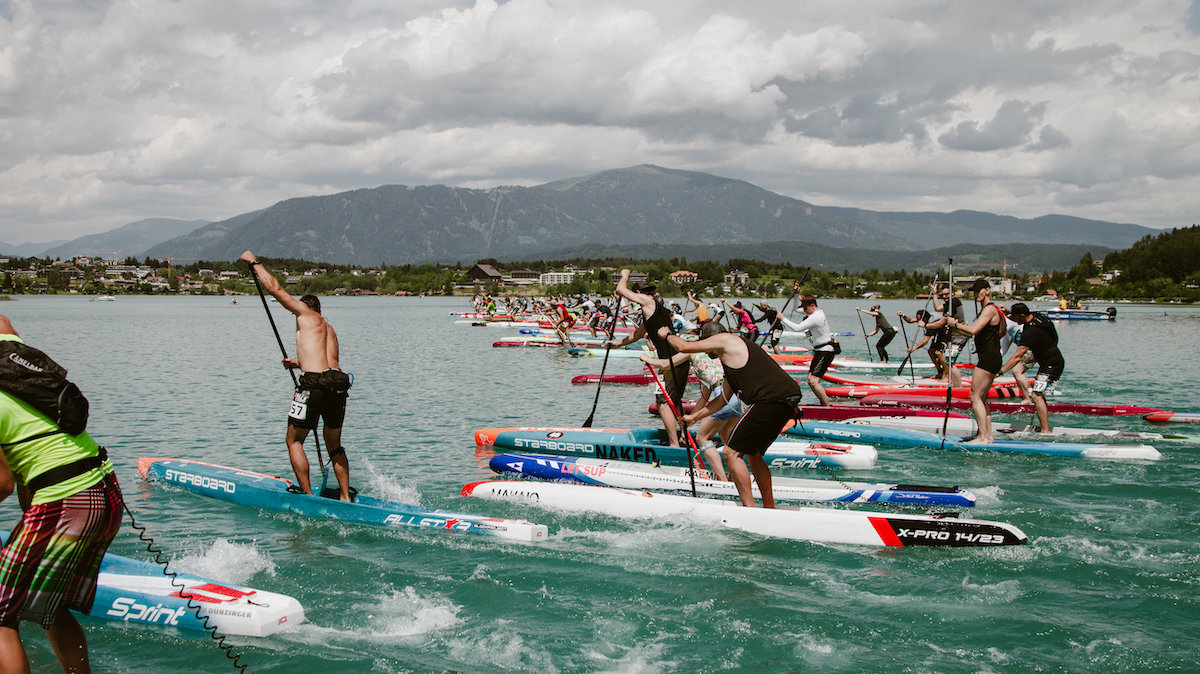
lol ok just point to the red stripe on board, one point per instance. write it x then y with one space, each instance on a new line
885 531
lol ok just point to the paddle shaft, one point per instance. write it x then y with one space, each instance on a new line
682 426
949 310
612 329
864 331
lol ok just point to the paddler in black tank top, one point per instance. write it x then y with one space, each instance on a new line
987 329
769 393
656 317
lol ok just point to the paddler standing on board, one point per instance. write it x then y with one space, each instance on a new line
987 329
770 396
71 507
656 318
1041 338
825 347
322 389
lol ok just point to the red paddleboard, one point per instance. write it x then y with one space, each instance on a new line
1174 417
925 391
643 379
1007 406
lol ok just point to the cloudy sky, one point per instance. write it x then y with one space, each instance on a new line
111 112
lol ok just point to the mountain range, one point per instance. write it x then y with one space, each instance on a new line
641 208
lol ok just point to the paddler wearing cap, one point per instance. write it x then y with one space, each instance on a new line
987 329
881 325
825 347
1040 338
656 316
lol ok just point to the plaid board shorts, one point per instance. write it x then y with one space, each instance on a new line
52 558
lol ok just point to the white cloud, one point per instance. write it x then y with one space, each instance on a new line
111 112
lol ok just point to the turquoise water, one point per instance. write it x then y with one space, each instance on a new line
1108 581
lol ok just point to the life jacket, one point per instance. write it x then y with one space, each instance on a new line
35 378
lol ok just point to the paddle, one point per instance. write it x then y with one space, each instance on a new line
908 356
948 308
682 426
295 382
864 331
612 329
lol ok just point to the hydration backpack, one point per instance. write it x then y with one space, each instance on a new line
32 376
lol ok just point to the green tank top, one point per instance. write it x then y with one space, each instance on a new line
27 460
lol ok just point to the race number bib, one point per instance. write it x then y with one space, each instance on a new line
299 406
1041 384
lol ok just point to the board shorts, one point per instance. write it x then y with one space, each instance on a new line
320 395
820 362
759 427
732 409
52 558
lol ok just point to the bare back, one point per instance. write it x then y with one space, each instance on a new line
313 342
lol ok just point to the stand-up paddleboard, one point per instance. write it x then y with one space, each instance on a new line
542 342
628 475
840 363
649 445
1163 417
964 426
1005 406
634 379
630 351
822 525
270 493
498 324
138 592
842 411
895 437
897 381
999 392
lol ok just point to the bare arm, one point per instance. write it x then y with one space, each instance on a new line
646 302
713 406
271 284
985 317
1016 358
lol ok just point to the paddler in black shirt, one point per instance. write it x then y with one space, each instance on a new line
770 396
656 318
1040 337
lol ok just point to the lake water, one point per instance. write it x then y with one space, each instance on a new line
1108 581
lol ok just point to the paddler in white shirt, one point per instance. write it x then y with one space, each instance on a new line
825 347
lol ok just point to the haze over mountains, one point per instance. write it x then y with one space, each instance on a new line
642 207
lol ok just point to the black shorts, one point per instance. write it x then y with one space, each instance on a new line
1052 370
674 381
759 427
990 362
320 395
820 362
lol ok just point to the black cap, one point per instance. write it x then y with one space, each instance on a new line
980 284
645 288
807 299
1018 309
